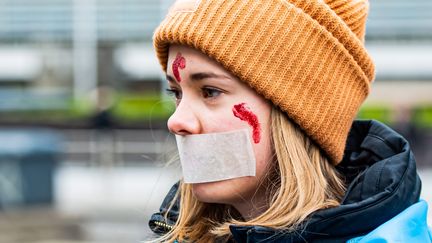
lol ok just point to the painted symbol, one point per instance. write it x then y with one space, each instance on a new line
179 63
245 114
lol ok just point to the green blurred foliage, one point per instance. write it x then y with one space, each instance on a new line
127 107
380 112
35 112
422 116
136 107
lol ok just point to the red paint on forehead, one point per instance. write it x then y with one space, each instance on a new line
245 114
179 63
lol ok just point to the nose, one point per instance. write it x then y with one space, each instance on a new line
184 121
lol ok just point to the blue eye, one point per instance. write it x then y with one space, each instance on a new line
175 93
210 92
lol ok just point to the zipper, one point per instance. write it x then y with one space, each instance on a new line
163 225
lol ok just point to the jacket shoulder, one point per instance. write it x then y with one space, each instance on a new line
408 226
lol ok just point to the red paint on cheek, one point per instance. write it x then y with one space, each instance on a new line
179 63
243 113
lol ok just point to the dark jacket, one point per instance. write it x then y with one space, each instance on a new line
380 169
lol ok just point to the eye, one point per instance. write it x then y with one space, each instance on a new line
174 93
209 92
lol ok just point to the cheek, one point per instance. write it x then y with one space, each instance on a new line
263 150
260 125
217 122
263 155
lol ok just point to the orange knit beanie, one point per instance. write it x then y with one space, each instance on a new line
306 56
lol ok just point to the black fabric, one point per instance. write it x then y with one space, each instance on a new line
381 173
172 214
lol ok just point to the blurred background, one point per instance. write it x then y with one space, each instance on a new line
83 139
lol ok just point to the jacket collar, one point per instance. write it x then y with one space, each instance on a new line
383 181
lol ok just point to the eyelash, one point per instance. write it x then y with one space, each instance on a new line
206 92
174 93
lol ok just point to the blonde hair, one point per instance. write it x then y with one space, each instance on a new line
300 173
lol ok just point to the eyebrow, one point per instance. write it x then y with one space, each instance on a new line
201 76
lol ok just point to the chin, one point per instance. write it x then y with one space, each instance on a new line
204 192
224 192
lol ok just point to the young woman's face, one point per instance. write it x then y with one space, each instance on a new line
209 99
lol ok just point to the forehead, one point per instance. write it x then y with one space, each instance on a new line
193 58
197 65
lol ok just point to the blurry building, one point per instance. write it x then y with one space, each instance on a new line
63 49
399 37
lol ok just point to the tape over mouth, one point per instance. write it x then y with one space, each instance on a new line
216 156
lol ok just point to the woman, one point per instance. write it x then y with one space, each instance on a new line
290 75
